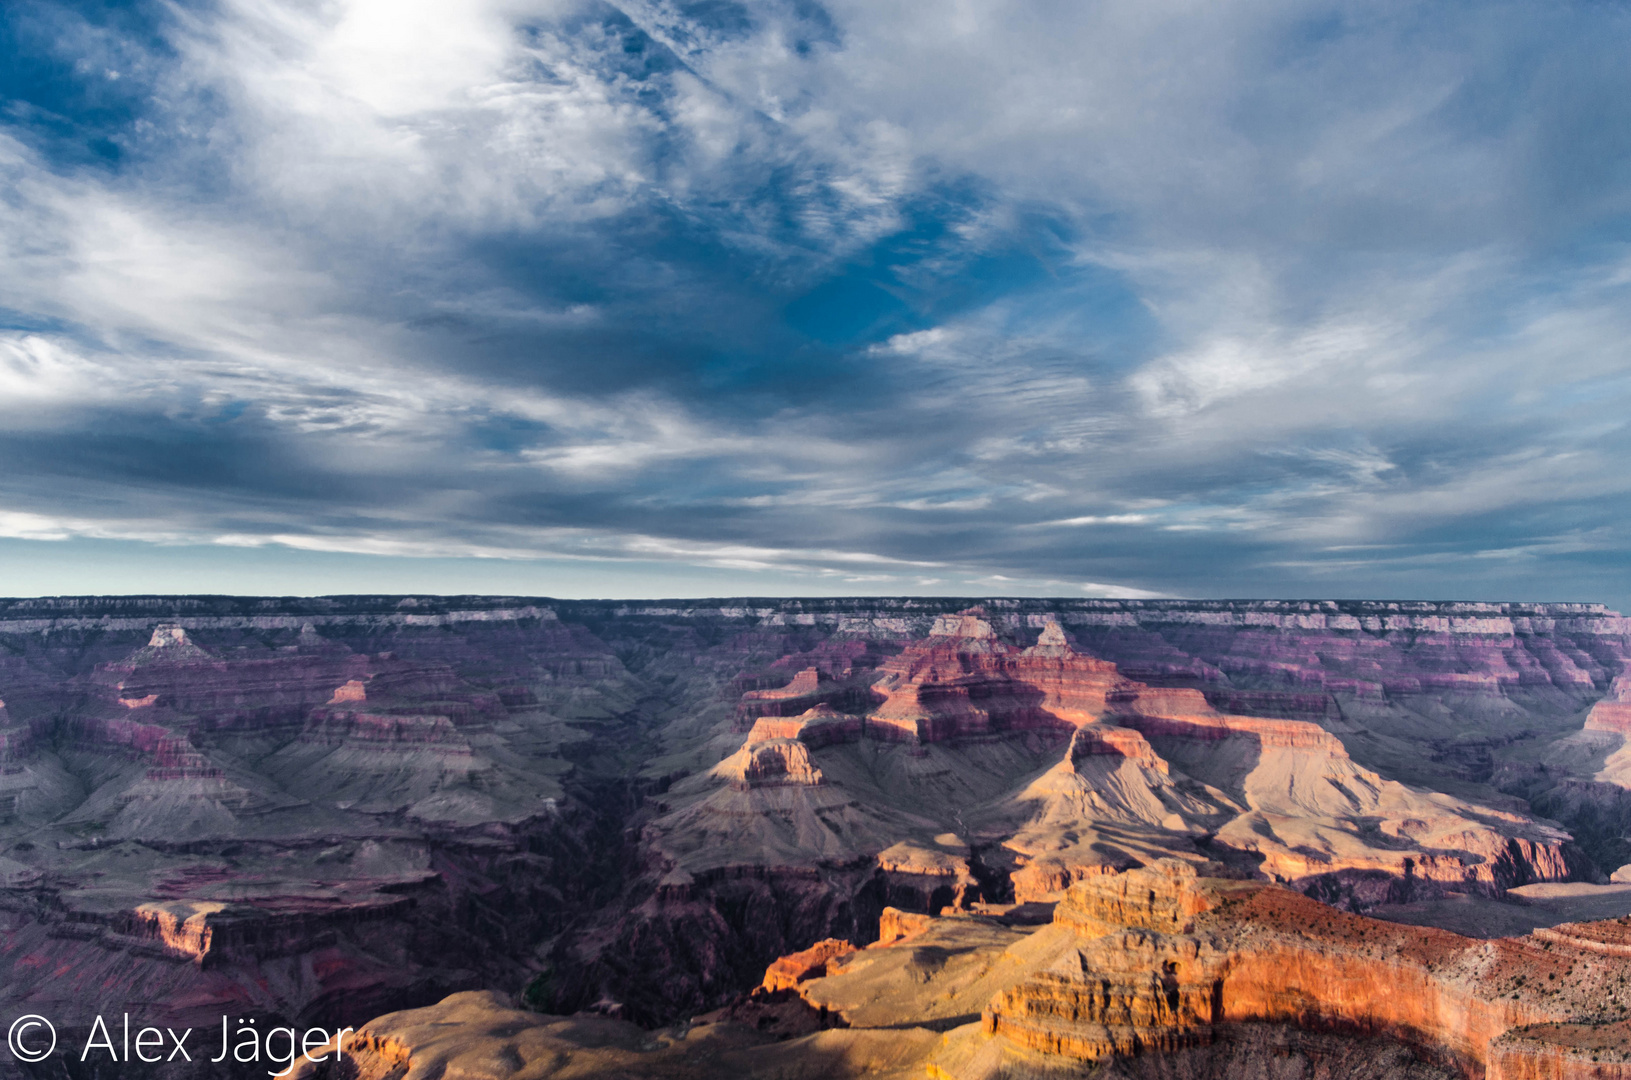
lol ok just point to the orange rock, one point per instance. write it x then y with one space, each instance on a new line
350 691
1110 740
963 680
1044 878
775 727
817 727
1159 958
787 972
769 762
895 925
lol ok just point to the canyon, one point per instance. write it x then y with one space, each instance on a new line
882 836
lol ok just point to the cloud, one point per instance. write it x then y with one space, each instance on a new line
1117 592
38 372
1096 519
1161 299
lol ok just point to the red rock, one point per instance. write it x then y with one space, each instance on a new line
787 972
817 727
805 691
964 681
1160 959
767 762
895 926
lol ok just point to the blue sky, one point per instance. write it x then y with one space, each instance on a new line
654 298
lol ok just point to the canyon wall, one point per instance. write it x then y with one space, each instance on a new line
998 761
306 806
1161 959
1158 971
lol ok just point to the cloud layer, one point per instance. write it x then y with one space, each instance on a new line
1106 299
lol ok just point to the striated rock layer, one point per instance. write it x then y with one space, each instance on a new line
1159 971
1161 959
330 807
993 769
270 821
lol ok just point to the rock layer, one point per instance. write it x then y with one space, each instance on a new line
1159 959
272 821
994 770
1160 971
368 785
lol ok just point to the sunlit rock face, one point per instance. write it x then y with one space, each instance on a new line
765 762
1163 959
1166 970
962 680
998 762
815 728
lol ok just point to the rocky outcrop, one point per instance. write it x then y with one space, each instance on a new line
183 926
811 688
895 926
790 970
766 762
1613 712
801 693
964 681
1161 959
929 879
818 727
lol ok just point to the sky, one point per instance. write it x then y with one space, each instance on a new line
813 297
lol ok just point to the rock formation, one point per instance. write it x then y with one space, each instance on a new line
305 808
812 963
995 770
963 680
1160 960
272 823
1154 971
763 762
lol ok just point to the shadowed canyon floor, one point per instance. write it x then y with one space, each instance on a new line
597 825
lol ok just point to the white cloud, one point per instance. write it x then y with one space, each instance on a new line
36 372
1118 592
1096 519
25 526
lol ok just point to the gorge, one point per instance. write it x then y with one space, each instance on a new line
1002 838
